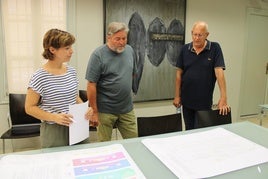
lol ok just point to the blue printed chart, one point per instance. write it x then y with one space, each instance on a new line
110 161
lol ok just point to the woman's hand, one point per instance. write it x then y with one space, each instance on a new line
63 119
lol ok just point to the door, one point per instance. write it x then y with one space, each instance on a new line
254 77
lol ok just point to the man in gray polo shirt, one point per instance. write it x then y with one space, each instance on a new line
109 74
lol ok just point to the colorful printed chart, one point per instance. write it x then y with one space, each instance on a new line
109 164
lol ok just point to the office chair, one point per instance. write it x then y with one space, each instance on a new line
159 124
21 125
83 96
212 118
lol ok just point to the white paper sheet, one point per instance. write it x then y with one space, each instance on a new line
110 161
79 129
206 154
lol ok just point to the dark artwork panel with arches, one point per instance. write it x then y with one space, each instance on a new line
156 33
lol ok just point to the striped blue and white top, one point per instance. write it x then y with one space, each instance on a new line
57 91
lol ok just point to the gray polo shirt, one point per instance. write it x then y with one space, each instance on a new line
113 73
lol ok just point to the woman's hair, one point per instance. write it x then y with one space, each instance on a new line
115 27
56 38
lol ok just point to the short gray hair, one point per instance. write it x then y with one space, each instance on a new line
201 23
115 27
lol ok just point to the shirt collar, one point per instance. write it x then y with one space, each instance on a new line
208 46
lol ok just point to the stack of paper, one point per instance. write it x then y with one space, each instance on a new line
111 161
206 154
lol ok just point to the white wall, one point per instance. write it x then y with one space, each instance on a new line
226 21
89 29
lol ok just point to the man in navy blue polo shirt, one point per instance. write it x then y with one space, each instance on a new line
200 65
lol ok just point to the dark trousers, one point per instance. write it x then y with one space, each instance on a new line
189 118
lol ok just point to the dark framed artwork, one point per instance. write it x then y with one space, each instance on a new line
156 33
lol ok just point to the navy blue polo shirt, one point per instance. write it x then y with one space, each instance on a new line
198 77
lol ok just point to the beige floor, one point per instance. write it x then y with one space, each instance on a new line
34 143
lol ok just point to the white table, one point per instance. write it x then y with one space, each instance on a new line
152 167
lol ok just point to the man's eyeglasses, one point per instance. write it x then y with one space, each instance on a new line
198 35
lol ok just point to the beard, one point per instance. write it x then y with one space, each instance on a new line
118 49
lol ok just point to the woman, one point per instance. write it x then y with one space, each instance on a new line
53 88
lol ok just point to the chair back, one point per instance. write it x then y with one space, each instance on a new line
159 124
212 118
83 95
18 115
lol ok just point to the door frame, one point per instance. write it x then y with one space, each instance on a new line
249 12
